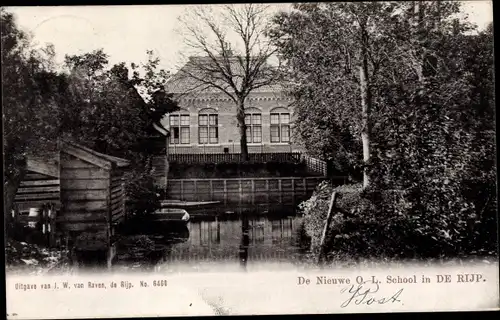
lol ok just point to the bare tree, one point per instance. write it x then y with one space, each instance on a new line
235 70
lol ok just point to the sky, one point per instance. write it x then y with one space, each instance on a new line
126 32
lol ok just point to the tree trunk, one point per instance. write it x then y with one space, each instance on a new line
240 116
365 109
418 32
420 37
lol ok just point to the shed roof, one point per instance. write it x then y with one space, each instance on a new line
99 159
46 165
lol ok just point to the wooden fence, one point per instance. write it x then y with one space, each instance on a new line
315 165
215 158
231 148
245 190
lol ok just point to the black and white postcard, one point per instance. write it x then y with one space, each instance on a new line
249 159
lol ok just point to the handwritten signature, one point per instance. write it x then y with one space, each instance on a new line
365 293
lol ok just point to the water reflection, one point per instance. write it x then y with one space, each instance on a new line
216 239
241 236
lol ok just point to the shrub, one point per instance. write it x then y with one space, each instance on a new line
315 209
143 194
390 224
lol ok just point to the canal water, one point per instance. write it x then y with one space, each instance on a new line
222 239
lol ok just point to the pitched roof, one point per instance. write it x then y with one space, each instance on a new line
99 159
185 81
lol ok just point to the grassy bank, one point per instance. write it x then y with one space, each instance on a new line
25 258
384 226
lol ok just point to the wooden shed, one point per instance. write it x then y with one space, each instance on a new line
92 197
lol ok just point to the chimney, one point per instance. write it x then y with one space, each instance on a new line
227 47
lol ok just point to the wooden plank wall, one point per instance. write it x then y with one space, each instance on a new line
36 190
84 199
117 198
245 190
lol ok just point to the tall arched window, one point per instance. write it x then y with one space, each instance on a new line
208 126
179 127
280 125
253 120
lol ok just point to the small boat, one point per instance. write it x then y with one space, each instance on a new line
189 204
171 215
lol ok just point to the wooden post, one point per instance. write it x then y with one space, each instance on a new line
196 189
280 191
218 229
325 229
267 191
239 190
201 233
211 190
253 191
209 227
110 255
225 192
51 226
182 189
44 221
50 229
